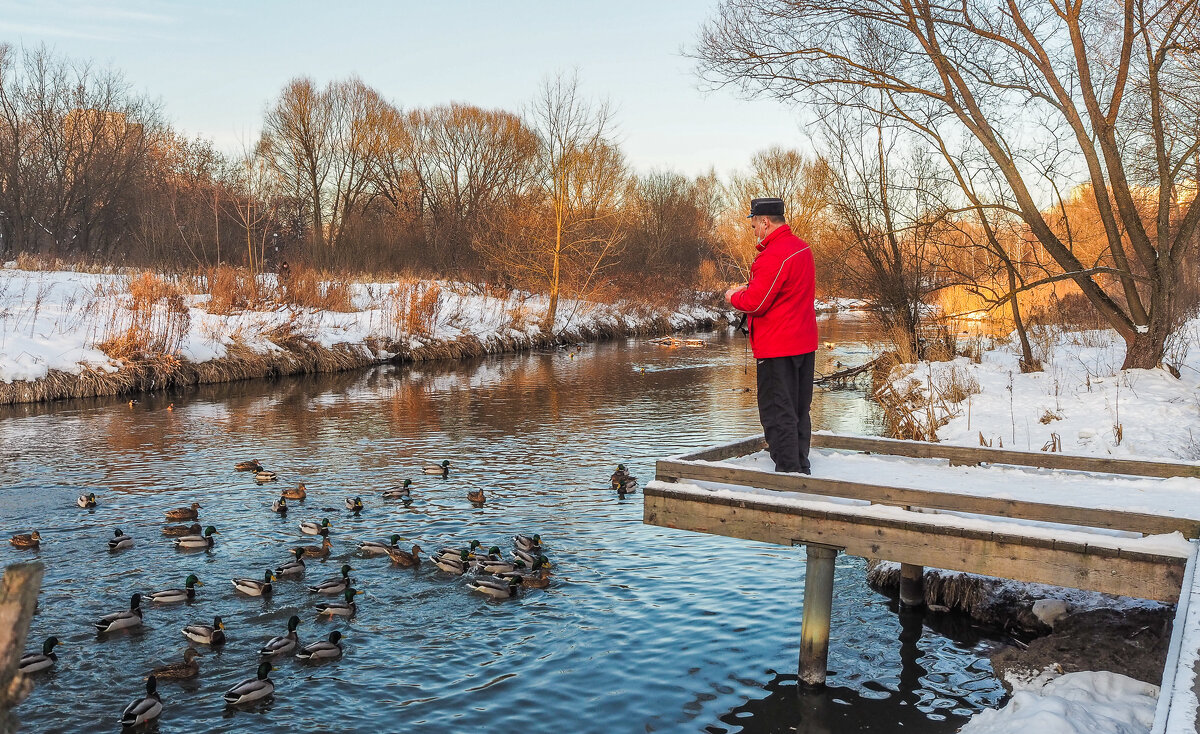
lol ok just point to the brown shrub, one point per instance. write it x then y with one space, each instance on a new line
150 326
231 288
306 287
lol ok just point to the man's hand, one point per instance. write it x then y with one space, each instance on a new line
729 293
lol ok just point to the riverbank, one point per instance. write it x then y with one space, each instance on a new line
71 334
1082 648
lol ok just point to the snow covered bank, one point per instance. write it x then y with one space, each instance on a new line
68 334
1075 703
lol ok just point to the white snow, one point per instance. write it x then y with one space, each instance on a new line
54 320
1075 703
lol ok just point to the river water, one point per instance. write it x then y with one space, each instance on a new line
643 629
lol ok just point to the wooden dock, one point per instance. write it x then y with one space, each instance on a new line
1092 545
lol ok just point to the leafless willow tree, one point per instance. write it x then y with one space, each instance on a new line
1095 91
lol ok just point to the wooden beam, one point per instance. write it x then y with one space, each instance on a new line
972 455
18 598
912 585
1011 556
818 612
671 470
727 450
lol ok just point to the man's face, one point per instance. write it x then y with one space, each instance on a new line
759 225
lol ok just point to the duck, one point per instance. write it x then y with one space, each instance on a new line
354 504
399 493
27 540
404 558
122 620
537 577
280 505
87 501
377 548
496 587
335 585
206 635
283 644
322 649
172 596
263 476
531 558
312 527
251 587
186 670
185 513
435 468
622 480
35 662
119 541
197 541
469 550
177 530
251 689
345 608
528 543
299 493
318 551
476 496
143 709
498 566
456 565
294 567
253 465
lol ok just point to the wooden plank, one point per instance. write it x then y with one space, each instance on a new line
671 469
971 455
1075 566
724 451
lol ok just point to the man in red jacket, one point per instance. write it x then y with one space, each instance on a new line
778 302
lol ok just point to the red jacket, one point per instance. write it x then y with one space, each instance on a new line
779 298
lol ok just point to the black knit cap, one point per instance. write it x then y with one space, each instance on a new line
764 207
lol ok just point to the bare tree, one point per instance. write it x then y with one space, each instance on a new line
297 141
1097 91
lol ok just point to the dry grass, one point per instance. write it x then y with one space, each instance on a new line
150 326
310 288
231 289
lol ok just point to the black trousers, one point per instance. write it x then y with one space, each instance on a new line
785 388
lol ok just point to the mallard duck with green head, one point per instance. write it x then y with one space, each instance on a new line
87 501
299 493
346 608
622 481
377 547
263 476
294 567
252 689
312 527
26 540
403 492
205 634
530 557
195 542
328 649
404 558
280 505
186 670
354 504
173 596
495 586
185 513
178 530
144 709
528 542
119 541
122 620
36 662
335 585
433 467
283 644
254 587
452 564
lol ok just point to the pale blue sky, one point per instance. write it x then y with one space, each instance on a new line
215 65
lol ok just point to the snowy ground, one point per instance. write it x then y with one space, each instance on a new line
55 320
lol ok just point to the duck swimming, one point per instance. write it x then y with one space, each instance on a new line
435 468
252 689
86 501
251 465
528 543
27 540
35 662
284 644
119 541
354 504
323 649
399 493
122 620
347 608
177 530
335 585
311 527
190 542
404 558
185 513
263 476
299 493
294 567
377 548
143 709
280 505
450 563
172 596
252 587
318 551
622 480
206 635
476 497
186 670
496 587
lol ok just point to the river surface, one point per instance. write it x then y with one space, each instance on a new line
643 629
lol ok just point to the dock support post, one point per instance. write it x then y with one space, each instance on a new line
818 606
18 598
912 585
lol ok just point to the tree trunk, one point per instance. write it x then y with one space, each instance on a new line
1028 364
1145 350
18 598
